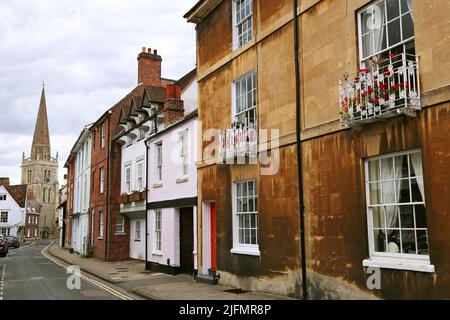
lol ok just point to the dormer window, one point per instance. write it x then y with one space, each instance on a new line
242 22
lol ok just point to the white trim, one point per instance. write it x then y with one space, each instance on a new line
249 251
397 264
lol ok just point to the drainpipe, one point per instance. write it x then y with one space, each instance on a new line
299 152
146 202
107 187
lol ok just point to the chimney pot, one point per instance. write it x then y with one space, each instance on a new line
149 50
155 52
144 49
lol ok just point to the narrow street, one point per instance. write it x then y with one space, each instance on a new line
26 274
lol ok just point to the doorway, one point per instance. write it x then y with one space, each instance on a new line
187 240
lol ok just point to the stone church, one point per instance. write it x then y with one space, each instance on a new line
40 173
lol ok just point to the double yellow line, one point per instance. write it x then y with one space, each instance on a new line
84 277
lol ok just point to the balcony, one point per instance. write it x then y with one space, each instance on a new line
387 88
238 141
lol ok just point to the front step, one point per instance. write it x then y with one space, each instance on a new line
210 278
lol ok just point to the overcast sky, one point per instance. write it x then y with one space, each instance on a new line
85 51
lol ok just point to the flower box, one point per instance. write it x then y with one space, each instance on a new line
386 88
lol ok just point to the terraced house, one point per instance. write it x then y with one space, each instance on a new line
359 91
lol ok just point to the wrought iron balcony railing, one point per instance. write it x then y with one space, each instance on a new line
238 141
386 89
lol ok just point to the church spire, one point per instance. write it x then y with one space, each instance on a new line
41 140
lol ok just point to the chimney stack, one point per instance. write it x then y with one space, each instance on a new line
149 67
4 182
174 106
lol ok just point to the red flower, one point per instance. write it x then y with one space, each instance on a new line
358 99
371 58
388 73
391 55
364 70
394 87
375 101
401 85
385 97
370 90
365 93
361 107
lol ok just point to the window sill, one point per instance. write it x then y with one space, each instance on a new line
246 251
157 253
120 234
157 185
100 238
182 180
420 266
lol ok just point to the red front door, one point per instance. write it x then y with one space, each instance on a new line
213 236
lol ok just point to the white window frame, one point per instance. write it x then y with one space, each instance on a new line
102 180
137 230
4 214
400 261
120 225
236 23
238 82
159 162
100 225
140 174
157 232
127 186
35 232
402 42
102 136
28 233
183 145
244 248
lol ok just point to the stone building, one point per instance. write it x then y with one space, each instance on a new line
40 172
372 167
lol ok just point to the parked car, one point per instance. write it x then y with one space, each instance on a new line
13 241
3 246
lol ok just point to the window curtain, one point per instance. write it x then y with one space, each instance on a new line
416 160
409 4
390 189
379 34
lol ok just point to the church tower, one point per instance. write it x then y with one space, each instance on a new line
40 172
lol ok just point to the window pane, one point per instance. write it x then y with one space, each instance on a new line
374 171
367 44
394 32
406 217
416 194
387 170
422 242
375 196
388 192
408 242
421 217
380 39
379 240
393 9
378 218
401 167
393 241
408 26
391 217
366 21
403 191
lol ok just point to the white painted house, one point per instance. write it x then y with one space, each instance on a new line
81 151
172 181
12 208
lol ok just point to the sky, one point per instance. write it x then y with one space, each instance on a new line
85 51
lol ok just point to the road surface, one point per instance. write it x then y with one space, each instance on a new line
29 274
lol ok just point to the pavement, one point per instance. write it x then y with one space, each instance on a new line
132 277
27 274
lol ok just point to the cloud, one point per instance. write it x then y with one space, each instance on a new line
86 52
